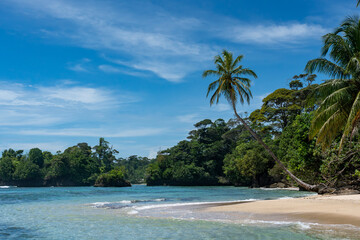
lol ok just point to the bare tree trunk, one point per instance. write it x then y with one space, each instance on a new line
306 186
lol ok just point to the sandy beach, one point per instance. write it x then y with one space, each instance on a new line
323 209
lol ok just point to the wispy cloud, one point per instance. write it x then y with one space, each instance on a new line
168 46
151 46
57 96
45 146
275 33
221 107
80 66
153 151
24 105
94 132
84 95
25 118
117 70
109 69
188 118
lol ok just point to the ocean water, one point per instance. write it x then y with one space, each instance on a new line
141 212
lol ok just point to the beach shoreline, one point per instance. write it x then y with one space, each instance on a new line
318 209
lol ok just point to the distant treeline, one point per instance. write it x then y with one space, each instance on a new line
80 165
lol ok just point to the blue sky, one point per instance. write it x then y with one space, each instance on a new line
130 71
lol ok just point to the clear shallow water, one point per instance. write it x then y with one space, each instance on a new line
138 212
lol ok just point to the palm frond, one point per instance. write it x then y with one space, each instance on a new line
320 117
210 72
340 50
212 86
323 65
352 119
247 71
237 60
329 129
218 60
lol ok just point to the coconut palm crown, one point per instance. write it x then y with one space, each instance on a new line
231 83
339 107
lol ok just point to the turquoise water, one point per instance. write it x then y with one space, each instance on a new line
138 212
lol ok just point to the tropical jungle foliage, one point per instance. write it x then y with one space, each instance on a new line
80 165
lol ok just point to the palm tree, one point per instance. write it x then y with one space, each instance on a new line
358 3
232 84
339 109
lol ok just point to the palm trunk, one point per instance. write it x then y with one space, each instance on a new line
306 186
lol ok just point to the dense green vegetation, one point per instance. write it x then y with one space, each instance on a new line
135 168
113 178
80 165
222 152
197 161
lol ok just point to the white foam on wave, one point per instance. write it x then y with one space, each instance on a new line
286 198
159 199
5 187
301 225
99 204
132 212
104 204
273 189
146 207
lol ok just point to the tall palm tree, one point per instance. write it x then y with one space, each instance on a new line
235 87
339 109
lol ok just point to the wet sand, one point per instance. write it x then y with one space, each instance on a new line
323 209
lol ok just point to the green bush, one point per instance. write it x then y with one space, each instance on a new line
113 178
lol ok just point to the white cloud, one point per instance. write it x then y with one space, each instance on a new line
77 94
45 146
151 45
8 96
78 68
68 82
188 118
221 107
275 33
24 118
109 69
169 46
22 105
59 96
170 71
153 151
94 132
256 103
